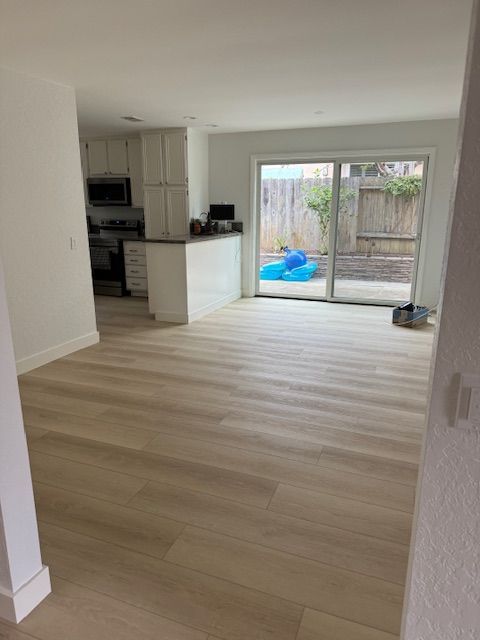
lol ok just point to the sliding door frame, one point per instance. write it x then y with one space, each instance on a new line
252 248
384 157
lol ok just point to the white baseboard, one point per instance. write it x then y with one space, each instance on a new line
168 316
15 606
58 351
186 318
218 304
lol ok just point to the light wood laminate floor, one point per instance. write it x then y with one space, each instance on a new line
250 476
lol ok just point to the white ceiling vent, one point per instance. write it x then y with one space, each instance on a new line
132 118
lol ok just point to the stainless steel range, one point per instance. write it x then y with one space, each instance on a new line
106 255
123 229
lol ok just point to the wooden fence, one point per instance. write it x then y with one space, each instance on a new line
371 221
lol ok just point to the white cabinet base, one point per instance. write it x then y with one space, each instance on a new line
188 281
135 269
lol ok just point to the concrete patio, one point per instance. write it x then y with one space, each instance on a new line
378 277
353 289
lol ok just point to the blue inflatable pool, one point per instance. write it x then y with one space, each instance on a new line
295 258
272 270
293 268
300 274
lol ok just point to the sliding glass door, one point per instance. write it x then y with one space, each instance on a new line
377 229
346 230
294 224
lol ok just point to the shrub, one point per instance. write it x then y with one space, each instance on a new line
318 199
406 186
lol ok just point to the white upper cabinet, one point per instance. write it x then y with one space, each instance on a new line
117 157
154 212
152 159
176 211
136 172
97 157
108 157
175 150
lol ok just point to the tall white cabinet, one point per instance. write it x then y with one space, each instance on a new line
154 212
170 157
152 159
175 146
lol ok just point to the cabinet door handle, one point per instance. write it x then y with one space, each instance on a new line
134 270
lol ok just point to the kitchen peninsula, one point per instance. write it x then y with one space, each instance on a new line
191 276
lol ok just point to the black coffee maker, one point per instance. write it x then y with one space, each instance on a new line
207 226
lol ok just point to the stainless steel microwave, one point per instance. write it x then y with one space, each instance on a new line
104 192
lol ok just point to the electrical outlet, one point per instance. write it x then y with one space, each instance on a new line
468 406
73 243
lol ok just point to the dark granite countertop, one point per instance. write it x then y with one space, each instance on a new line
188 239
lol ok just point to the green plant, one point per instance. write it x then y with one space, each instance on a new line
406 186
318 198
279 243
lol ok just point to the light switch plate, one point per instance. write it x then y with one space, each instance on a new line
474 405
468 405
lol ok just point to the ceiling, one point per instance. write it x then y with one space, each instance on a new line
243 64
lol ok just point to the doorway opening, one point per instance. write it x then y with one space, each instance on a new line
340 230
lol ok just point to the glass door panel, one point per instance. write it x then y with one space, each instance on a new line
379 208
294 224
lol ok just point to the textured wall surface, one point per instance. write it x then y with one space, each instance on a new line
49 287
230 174
443 602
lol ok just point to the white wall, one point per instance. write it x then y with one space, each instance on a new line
443 601
20 561
49 286
230 172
